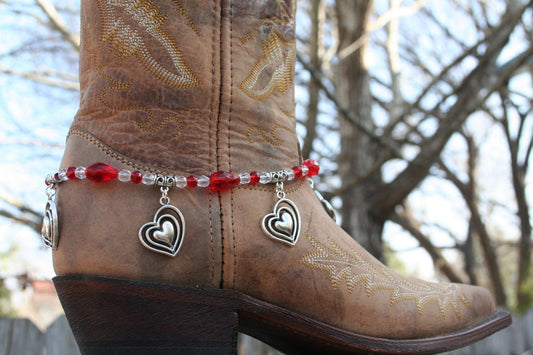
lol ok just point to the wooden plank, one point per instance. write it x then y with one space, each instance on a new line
252 346
5 335
20 336
59 339
527 328
510 340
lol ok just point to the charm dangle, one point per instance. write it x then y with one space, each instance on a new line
165 234
325 203
283 224
49 229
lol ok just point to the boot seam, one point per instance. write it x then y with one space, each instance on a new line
229 144
213 105
217 125
92 139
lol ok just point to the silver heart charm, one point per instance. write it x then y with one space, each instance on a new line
284 223
49 229
165 234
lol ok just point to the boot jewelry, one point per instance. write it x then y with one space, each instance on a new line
165 233
325 203
49 230
284 223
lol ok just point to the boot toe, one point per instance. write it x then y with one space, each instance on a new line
481 303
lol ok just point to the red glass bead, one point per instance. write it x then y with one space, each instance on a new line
136 177
313 167
192 181
254 178
101 172
71 173
297 172
222 180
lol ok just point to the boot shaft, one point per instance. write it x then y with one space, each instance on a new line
190 86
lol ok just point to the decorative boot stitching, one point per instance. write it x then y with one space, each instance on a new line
279 57
352 269
150 125
125 41
273 139
185 15
285 19
290 114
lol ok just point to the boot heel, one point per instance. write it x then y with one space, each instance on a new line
114 316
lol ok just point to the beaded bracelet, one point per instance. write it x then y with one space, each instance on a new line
165 233
217 182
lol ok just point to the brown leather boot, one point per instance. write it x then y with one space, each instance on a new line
183 89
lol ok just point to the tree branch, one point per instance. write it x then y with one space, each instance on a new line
381 22
407 222
27 216
476 225
43 79
318 77
58 24
391 195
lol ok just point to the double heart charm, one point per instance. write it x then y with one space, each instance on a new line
284 223
49 230
165 234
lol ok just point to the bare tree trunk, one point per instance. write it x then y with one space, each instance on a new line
519 168
469 256
358 152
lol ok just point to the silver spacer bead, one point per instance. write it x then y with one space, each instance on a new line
279 176
165 181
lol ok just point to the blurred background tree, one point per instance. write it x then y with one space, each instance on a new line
419 112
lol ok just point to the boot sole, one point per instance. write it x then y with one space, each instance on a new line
118 316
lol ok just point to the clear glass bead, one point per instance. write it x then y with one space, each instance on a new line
148 179
305 170
245 178
80 172
63 175
265 178
181 181
124 175
203 181
290 174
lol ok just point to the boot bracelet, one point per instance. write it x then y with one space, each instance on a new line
165 233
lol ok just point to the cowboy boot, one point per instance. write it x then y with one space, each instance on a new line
166 238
